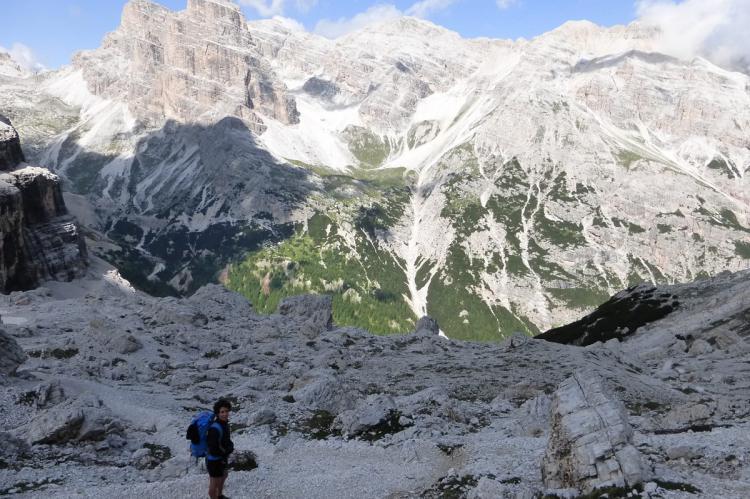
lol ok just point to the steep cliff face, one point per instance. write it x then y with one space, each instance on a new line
10 146
187 65
13 271
39 240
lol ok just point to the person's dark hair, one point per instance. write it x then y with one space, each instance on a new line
222 403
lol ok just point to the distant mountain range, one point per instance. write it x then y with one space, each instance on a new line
497 186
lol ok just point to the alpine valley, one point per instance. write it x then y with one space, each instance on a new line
497 186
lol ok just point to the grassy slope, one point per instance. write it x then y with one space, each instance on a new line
367 282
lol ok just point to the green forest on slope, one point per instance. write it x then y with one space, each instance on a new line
341 249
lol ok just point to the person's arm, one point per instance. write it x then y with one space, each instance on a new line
229 444
230 447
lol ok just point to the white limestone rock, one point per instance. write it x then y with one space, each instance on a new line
590 444
373 411
84 418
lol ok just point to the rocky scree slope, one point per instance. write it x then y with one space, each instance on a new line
99 382
541 176
39 240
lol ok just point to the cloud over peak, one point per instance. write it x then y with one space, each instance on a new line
268 8
714 29
24 57
339 27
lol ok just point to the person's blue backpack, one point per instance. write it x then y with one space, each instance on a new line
197 433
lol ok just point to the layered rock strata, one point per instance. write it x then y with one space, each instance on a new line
590 445
10 146
39 240
186 65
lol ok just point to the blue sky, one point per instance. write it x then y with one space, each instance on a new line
50 31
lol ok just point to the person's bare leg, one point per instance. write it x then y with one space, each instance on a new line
213 487
221 483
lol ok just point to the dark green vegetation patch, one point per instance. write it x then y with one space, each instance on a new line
742 249
367 283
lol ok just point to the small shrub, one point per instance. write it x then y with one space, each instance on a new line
158 454
682 487
318 426
62 353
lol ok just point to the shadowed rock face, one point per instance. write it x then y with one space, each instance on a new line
10 146
39 240
11 355
13 271
619 317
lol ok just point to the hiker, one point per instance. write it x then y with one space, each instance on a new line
219 448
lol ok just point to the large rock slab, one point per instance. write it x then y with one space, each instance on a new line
374 415
81 419
39 240
11 354
313 312
14 272
590 442
10 146
326 393
427 325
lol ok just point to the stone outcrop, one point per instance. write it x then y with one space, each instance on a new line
315 312
10 146
427 325
81 419
13 271
183 65
11 355
39 240
370 415
618 318
590 446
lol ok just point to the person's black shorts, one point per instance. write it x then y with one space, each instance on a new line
216 469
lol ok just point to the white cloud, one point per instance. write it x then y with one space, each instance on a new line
25 57
376 13
424 8
714 29
265 8
290 23
504 4
269 8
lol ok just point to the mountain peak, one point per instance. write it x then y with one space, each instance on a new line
219 6
405 26
9 66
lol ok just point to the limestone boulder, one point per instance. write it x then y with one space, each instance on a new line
427 325
375 414
590 444
11 354
314 313
84 418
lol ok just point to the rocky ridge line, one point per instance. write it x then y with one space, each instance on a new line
113 376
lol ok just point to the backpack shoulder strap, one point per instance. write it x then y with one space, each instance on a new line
217 425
